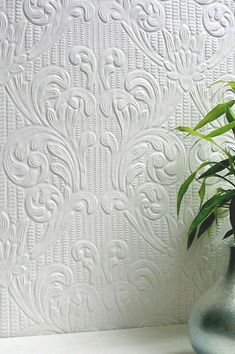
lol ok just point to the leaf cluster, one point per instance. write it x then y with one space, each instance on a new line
224 169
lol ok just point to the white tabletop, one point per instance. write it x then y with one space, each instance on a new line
152 340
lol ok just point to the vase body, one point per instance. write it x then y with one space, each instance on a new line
211 324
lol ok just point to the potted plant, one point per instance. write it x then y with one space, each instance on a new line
211 324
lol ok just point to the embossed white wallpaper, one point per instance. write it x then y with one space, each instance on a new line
90 163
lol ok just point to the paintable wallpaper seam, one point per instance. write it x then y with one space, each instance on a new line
90 162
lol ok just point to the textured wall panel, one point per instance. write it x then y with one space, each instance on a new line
90 93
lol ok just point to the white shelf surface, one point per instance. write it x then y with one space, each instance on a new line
150 340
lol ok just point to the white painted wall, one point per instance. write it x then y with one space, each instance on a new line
90 164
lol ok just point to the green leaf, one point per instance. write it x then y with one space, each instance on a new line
206 224
226 83
193 132
191 238
202 136
202 191
185 185
215 113
232 213
222 130
230 117
231 160
183 189
231 84
228 234
209 206
217 167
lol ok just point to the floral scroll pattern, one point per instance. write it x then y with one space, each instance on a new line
90 162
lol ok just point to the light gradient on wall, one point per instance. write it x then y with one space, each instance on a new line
90 163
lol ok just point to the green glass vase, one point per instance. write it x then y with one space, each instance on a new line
211 324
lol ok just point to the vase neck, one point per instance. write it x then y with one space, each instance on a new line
231 265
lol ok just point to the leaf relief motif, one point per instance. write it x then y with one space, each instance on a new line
142 153
128 298
13 253
86 252
53 17
51 147
186 61
53 301
100 263
12 51
122 298
24 161
218 20
110 59
85 59
113 252
148 14
139 18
